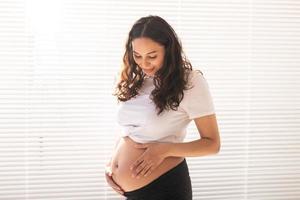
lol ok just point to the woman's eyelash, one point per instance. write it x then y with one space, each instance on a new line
149 56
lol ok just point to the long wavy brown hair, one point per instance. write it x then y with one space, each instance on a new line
170 80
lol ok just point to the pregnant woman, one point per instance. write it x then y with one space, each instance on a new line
159 94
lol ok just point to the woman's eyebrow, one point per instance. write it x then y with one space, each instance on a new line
147 53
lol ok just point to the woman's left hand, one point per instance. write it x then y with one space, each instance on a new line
153 156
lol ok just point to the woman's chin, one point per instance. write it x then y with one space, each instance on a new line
150 74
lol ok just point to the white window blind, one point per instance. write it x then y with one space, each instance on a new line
58 60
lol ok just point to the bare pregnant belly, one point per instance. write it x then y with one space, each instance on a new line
125 154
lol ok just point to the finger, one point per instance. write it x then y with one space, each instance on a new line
146 170
149 171
115 187
136 163
112 183
119 191
141 167
108 173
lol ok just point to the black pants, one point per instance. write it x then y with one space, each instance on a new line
175 184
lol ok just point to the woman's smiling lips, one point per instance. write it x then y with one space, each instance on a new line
148 70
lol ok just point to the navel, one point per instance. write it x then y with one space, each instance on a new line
116 165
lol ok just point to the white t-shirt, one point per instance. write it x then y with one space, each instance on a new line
137 117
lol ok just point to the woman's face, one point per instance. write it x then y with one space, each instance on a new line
148 55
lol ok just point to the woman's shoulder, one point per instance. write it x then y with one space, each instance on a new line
195 76
196 72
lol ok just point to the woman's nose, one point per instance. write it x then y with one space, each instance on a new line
144 64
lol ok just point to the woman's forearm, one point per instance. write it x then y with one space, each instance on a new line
200 147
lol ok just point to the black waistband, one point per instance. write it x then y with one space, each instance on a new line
149 187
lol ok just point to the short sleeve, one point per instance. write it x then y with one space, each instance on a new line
197 100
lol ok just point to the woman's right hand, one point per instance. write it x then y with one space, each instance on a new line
110 181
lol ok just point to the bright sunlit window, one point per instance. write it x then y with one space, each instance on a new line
58 64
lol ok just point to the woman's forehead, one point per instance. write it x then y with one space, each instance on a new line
145 46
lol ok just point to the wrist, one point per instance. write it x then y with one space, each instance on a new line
169 149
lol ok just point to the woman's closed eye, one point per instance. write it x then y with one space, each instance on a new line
151 57
137 56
